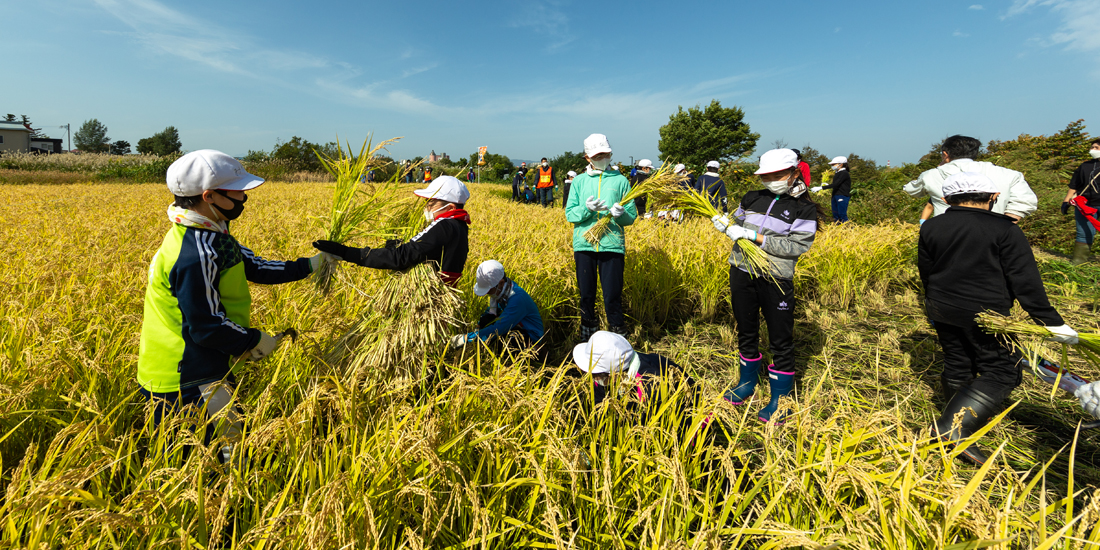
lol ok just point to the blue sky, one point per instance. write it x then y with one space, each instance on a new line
527 79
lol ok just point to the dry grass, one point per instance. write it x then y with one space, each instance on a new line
484 450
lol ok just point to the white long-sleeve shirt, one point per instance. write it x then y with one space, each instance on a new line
1017 198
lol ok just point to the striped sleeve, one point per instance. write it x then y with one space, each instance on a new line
195 281
271 272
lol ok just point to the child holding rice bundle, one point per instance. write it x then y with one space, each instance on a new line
511 310
445 242
782 220
973 260
593 195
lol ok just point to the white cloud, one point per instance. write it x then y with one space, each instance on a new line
546 18
1080 28
976 7
960 34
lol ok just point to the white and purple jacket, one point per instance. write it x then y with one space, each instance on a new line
787 225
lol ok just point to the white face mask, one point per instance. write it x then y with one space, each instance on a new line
600 164
430 214
545 164
1094 153
778 186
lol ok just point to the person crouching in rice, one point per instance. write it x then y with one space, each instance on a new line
511 313
607 353
782 220
196 328
973 260
445 242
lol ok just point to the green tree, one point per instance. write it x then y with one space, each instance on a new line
817 161
696 135
120 147
568 161
35 132
92 137
161 143
496 166
863 171
300 153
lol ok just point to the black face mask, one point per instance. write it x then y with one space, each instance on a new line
238 206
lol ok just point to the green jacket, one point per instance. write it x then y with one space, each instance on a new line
610 186
197 307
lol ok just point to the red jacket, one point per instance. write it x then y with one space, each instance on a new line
805 169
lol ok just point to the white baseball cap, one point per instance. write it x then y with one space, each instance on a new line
596 144
679 168
713 164
776 160
445 188
207 169
839 160
489 274
571 174
604 352
614 167
968 182
645 163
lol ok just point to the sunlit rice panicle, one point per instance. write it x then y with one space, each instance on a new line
661 182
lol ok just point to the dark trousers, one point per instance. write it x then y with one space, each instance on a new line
968 352
752 295
546 196
840 207
640 204
609 266
515 192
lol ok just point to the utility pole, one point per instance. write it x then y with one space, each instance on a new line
70 138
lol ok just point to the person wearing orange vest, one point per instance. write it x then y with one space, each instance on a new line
428 175
545 186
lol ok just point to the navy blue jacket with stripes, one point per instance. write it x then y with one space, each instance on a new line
788 226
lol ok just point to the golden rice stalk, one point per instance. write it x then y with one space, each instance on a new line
661 182
995 323
354 203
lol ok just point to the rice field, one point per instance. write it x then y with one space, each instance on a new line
492 448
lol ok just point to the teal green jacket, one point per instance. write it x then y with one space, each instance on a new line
610 186
197 307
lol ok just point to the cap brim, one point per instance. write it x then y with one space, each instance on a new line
758 172
423 193
479 290
582 356
243 183
599 151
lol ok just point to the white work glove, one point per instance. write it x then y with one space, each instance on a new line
315 262
1089 394
459 340
617 210
816 189
264 348
595 205
1063 335
736 232
720 222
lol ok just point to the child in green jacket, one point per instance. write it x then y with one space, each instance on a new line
589 197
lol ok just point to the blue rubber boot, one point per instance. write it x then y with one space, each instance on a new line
781 384
746 386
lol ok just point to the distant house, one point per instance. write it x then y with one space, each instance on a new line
46 145
15 137
436 158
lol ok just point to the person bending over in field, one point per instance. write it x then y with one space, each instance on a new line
607 353
782 220
445 242
972 260
196 326
511 312
589 198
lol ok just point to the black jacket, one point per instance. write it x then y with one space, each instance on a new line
1086 181
841 185
714 188
652 366
445 243
972 260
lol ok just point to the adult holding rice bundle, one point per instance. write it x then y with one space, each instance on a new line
781 219
971 260
511 310
589 198
445 242
842 188
196 324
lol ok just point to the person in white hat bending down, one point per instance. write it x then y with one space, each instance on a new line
782 220
511 310
196 323
445 242
595 194
842 189
606 353
711 185
972 260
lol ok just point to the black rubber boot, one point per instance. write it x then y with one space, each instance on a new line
618 329
587 332
951 386
1080 253
977 408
